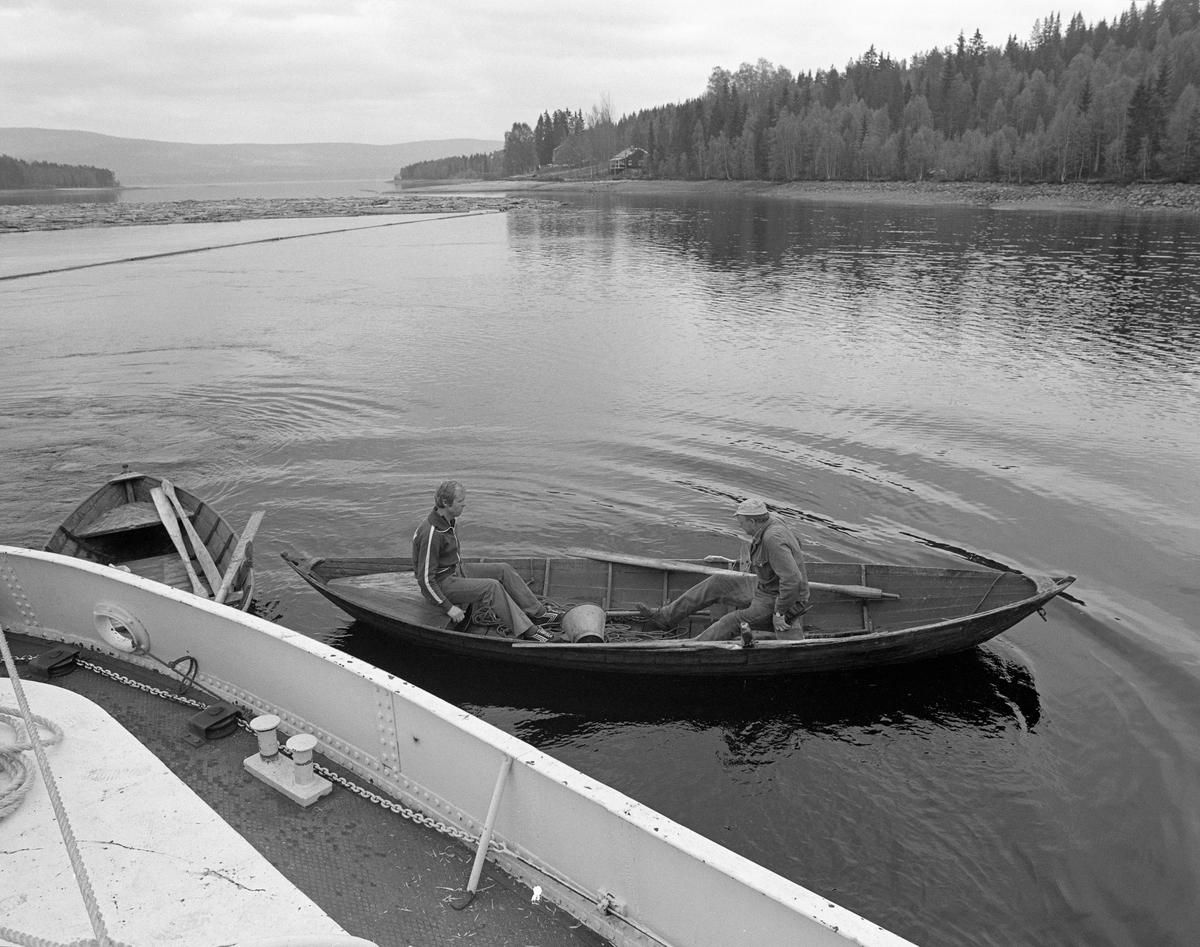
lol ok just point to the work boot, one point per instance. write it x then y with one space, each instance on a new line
652 616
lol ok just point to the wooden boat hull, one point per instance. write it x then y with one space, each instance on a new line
939 612
119 525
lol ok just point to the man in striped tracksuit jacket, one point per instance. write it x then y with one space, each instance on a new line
449 583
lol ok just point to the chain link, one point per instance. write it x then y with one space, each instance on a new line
419 817
138 685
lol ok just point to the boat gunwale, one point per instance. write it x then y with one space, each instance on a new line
1045 588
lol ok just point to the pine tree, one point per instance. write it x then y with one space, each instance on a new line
1138 122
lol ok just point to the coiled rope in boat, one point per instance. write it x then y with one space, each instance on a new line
615 632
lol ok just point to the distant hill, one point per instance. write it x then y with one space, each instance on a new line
141 161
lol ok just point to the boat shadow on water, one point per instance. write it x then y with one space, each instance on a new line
979 689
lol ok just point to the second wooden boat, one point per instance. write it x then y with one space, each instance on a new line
149 527
861 615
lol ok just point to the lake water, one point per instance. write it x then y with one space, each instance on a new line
921 385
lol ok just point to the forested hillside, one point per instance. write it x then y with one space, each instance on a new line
474 166
1117 100
525 149
17 174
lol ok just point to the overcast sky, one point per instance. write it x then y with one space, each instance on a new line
381 72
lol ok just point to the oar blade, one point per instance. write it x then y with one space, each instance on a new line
239 554
166 513
203 556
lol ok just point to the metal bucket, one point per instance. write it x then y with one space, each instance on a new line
584 624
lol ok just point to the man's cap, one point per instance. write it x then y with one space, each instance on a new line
752 507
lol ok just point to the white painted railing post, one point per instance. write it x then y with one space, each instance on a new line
485 838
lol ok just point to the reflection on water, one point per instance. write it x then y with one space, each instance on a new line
1039 287
924 386
86 195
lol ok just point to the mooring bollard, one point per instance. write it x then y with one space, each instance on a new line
295 778
266 728
301 746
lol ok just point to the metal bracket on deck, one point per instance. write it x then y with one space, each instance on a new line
608 904
215 721
51 664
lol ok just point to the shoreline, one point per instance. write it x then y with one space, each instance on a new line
1156 197
500 196
26 218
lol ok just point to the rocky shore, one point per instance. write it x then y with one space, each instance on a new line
1176 197
497 196
26 217
1183 198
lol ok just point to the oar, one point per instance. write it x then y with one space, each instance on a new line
203 556
239 554
167 514
674 565
857 591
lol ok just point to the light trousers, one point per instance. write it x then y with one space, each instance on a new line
740 591
497 586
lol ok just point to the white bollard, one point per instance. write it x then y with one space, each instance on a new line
302 745
266 728
295 778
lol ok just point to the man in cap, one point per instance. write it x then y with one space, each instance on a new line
777 588
449 583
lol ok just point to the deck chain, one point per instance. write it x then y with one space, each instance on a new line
400 809
138 685
419 817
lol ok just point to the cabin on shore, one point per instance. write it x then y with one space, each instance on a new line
631 159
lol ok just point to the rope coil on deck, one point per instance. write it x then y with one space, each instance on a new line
16 778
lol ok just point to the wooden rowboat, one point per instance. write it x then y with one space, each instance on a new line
147 526
861 615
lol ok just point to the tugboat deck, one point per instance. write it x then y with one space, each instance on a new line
371 872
